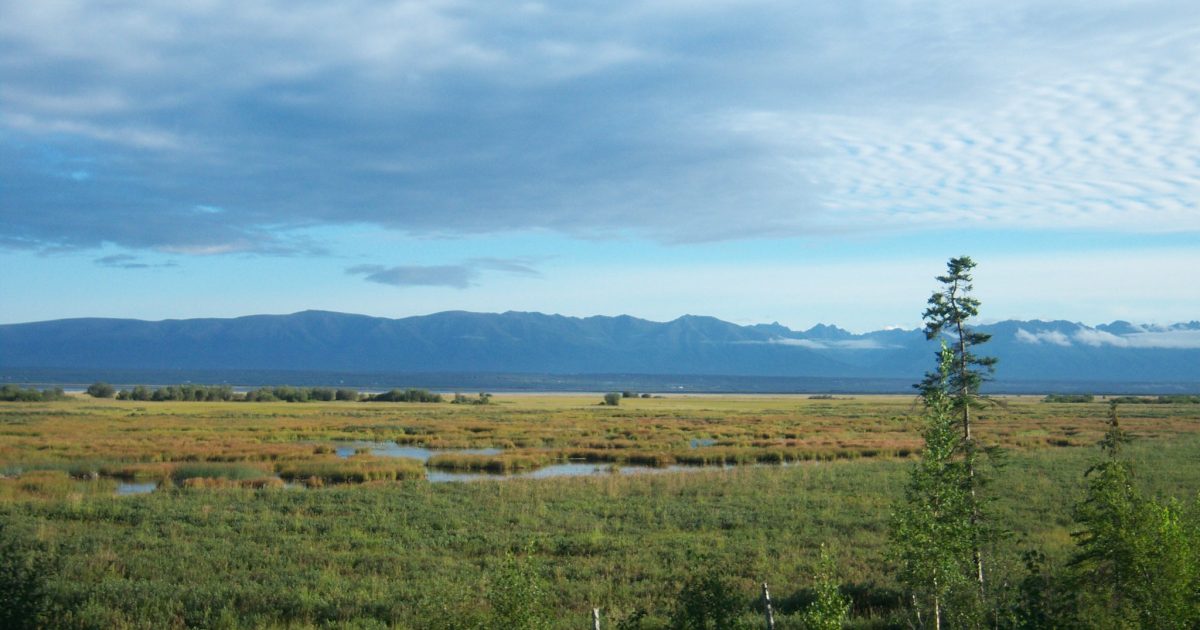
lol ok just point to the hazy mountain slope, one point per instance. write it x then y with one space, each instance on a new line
537 343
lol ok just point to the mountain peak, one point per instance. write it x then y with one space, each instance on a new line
827 331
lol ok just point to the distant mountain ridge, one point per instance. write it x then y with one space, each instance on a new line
518 342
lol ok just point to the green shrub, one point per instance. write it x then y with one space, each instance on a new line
26 566
406 395
518 595
101 389
707 599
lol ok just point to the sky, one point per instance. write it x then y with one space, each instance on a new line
756 161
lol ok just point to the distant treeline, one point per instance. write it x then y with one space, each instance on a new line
282 393
1069 398
1124 400
13 393
1177 399
172 392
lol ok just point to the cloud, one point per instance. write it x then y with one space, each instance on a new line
1153 337
456 276
517 266
679 122
1052 337
1170 339
832 344
129 261
459 276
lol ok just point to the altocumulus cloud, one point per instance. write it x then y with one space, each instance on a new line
674 121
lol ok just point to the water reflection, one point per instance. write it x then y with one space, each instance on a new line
391 449
567 470
126 488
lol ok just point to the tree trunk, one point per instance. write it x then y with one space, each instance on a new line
969 445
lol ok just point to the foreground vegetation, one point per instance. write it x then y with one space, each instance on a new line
414 554
371 544
145 440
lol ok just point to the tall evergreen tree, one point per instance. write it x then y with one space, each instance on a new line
949 313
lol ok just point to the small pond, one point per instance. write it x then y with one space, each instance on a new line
126 488
570 469
567 469
391 449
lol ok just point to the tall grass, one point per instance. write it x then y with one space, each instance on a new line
357 469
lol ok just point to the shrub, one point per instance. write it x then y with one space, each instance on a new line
517 594
13 393
483 399
26 566
828 611
707 599
101 389
612 399
1069 398
407 395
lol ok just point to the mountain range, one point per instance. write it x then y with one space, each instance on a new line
536 343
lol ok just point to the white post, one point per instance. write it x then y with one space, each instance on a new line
767 608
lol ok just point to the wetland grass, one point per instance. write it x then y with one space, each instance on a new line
371 544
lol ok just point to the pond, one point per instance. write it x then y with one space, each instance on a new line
567 469
126 488
130 488
570 469
391 449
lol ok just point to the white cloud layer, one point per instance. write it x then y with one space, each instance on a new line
1162 339
1052 337
831 344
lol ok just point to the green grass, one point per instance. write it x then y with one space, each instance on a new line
410 554
228 547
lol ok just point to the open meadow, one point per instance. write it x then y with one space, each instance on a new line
329 513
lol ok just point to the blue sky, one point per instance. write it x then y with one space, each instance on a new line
754 161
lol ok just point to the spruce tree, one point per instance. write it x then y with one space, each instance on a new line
949 313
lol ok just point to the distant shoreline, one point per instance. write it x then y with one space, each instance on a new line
76 379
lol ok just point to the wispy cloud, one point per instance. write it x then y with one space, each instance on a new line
460 276
129 261
518 266
456 276
831 344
